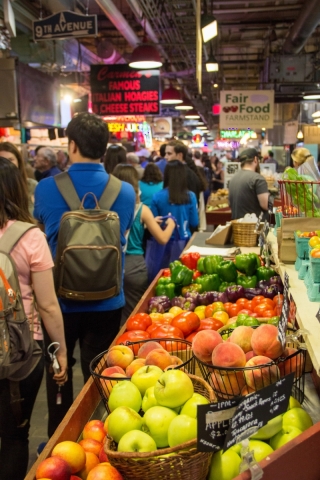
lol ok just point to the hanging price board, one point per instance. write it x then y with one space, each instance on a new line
283 322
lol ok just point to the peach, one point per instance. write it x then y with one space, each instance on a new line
107 385
134 366
119 355
94 429
104 471
246 391
54 468
265 341
147 347
292 365
176 360
204 343
258 378
91 461
91 445
227 384
159 357
73 453
250 354
242 337
103 456
110 370
228 355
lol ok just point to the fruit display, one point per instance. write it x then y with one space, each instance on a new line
225 465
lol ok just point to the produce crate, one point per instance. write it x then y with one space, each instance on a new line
186 462
228 383
298 198
315 269
302 246
180 348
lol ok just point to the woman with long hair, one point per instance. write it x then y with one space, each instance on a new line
150 183
115 155
34 264
135 270
175 199
9 150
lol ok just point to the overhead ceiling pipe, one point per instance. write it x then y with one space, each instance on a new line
303 27
118 20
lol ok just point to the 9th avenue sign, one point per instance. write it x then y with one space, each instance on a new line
64 25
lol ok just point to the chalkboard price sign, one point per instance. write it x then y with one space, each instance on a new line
283 322
213 424
256 409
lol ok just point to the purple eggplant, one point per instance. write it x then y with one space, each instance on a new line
276 280
271 291
250 293
178 302
159 304
222 297
193 295
189 304
263 284
207 298
234 292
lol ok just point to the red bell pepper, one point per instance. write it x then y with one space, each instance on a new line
190 260
196 274
166 272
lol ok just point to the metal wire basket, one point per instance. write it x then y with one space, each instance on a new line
299 199
176 347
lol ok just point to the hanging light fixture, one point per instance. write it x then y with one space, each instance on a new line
212 64
145 56
170 96
300 135
209 27
314 96
300 132
192 114
185 105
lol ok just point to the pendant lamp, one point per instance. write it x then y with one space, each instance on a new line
192 114
145 56
185 105
170 96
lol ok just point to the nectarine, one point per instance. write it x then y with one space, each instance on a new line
73 453
242 337
147 347
228 355
120 355
204 343
258 378
265 341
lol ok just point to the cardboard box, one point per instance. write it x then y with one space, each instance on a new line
220 236
287 247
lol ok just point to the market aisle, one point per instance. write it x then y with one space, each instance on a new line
39 419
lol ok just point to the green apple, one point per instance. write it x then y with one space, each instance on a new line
286 434
136 441
236 448
125 394
173 389
269 430
190 407
149 400
182 429
156 424
146 377
293 402
260 449
224 466
122 420
297 417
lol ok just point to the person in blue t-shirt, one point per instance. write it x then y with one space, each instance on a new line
150 183
162 161
176 200
94 323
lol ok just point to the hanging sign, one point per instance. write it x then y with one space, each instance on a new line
64 25
121 90
243 109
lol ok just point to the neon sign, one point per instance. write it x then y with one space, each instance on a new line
235 133
226 144
144 128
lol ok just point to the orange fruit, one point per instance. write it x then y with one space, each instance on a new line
220 315
72 453
104 471
91 461
91 445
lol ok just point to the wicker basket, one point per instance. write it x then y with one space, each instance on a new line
245 234
186 464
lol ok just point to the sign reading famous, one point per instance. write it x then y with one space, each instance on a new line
243 109
121 90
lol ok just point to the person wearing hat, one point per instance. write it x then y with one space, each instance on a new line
248 190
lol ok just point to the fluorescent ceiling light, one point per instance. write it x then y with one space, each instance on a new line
209 27
316 114
212 64
314 96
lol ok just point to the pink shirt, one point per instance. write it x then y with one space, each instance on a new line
31 254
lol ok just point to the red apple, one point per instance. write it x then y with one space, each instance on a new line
54 468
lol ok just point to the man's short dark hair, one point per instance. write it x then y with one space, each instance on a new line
270 152
163 150
179 147
197 154
90 133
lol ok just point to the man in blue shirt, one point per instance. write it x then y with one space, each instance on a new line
94 323
45 162
162 162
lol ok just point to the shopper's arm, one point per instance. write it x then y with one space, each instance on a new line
51 316
263 200
162 236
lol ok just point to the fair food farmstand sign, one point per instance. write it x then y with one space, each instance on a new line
243 109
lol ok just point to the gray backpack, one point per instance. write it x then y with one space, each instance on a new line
88 263
19 353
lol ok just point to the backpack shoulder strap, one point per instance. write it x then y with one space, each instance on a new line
110 193
13 235
67 190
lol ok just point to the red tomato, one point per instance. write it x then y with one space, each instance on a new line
254 315
209 310
278 298
256 300
140 321
268 301
173 346
187 322
133 336
278 310
234 310
242 302
246 311
261 308
249 305
210 324
227 305
191 336
166 272
167 331
153 326
269 313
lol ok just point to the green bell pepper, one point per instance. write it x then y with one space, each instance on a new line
265 273
246 263
174 264
208 283
164 281
200 265
181 275
212 263
247 281
224 285
193 287
227 271
167 289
